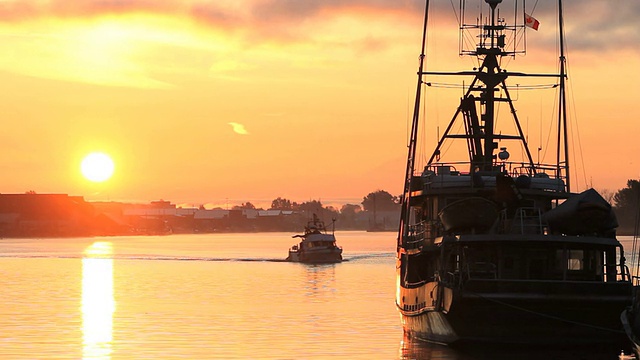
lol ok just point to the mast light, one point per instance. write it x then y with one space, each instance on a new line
503 154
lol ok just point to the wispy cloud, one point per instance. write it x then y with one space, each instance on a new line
252 18
239 128
591 25
142 43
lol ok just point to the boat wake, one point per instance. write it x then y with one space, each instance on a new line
151 257
370 256
141 257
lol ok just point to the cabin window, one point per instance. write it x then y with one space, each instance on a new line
575 260
452 262
480 263
534 263
415 270
511 260
585 265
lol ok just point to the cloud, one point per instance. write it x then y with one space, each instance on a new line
277 9
26 10
590 25
150 41
238 128
249 18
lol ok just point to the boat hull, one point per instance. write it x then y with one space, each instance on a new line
328 256
579 315
431 326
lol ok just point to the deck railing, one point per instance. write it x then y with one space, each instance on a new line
514 169
418 234
415 237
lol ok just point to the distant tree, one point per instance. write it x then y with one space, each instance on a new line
626 203
350 209
627 197
244 206
313 206
331 208
607 195
348 215
281 204
330 212
381 201
30 192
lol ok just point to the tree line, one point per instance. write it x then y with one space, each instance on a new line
625 203
376 201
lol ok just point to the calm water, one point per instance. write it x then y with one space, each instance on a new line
208 296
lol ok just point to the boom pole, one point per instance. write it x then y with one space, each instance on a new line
413 139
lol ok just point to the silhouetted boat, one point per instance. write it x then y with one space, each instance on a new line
630 322
493 250
630 317
317 246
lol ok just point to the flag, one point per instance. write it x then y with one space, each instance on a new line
531 22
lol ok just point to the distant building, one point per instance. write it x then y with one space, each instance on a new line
52 215
31 215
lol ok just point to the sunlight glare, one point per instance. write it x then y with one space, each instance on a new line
98 304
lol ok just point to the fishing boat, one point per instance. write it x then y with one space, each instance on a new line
494 248
317 246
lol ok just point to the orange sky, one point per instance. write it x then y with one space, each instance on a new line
322 89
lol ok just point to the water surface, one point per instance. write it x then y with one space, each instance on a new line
214 296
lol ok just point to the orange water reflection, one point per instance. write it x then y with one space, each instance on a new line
98 303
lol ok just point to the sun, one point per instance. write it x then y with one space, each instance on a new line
97 167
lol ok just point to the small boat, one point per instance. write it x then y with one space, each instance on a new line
318 246
495 250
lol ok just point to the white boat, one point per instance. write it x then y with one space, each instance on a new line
318 245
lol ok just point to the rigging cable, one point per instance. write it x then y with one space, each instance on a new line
636 229
422 131
453 7
554 115
552 124
577 130
534 7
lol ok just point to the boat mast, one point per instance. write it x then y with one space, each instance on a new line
562 108
413 138
479 111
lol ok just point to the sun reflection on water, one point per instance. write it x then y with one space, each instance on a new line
98 304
